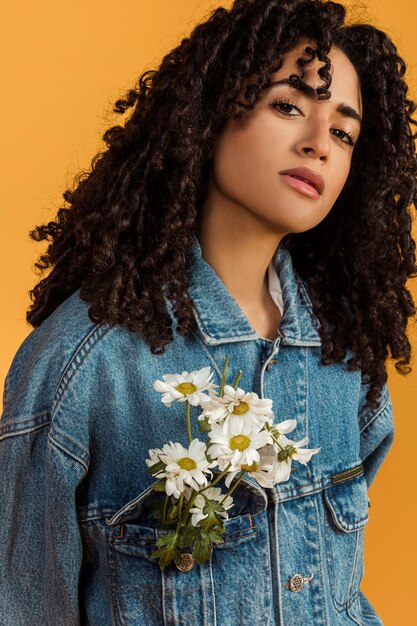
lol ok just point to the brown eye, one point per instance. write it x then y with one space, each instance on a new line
281 105
351 141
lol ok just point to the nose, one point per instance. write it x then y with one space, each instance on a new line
315 140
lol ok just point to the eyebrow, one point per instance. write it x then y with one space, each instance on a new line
342 108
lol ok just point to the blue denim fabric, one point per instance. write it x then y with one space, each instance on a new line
80 415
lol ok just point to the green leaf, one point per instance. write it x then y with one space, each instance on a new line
205 426
201 549
212 508
159 485
187 535
215 535
172 512
168 550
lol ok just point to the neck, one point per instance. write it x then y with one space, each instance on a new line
239 249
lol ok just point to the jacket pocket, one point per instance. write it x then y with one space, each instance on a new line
346 504
135 577
241 566
205 594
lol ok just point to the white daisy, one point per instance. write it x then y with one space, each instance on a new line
239 406
184 465
278 430
185 386
278 472
280 469
236 443
154 458
294 451
260 470
212 493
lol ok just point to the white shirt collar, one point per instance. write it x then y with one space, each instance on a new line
274 287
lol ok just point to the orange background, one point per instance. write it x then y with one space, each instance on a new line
64 65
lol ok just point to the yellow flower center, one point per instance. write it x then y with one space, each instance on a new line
186 388
239 442
241 408
249 468
187 463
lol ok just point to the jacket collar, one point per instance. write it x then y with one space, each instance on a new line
220 318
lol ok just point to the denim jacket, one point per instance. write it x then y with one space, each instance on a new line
80 415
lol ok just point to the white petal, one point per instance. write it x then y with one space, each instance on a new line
286 426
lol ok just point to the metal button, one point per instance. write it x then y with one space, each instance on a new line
187 562
297 582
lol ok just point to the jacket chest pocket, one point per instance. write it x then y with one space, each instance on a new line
346 505
197 595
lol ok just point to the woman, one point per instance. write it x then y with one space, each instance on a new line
197 236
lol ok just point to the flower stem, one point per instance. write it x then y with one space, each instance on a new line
183 521
165 510
237 379
231 490
187 412
273 436
223 381
219 477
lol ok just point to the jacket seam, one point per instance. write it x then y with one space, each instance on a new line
376 415
25 431
69 453
76 360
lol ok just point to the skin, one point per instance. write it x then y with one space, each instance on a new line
249 208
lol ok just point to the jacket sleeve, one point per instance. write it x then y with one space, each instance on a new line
40 542
376 432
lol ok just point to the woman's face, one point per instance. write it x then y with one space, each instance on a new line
248 155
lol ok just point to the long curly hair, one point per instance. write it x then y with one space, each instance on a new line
127 232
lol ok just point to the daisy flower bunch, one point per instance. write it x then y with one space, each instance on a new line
243 439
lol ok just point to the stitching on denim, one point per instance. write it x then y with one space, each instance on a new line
219 338
277 552
103 512
240 533
172 597
349 528
212 589
349 606
75 458
354 569
318 485
329 554
116 608
164 607
76 361
265 619
16 421
15 433
345 602
377 414
205 598
321 547
208 353
75 444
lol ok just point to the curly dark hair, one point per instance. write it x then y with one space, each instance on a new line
129 227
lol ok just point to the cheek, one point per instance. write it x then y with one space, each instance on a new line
231 163
244 159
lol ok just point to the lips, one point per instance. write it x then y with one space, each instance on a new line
309 176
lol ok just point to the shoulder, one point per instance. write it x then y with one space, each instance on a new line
52 353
